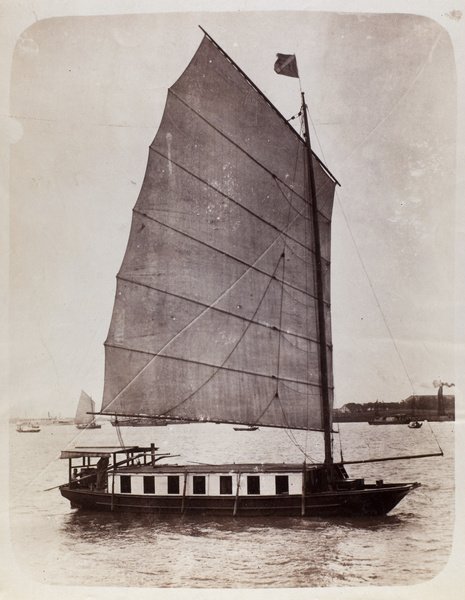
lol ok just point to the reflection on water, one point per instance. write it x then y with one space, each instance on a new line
57 545
288 552
98 525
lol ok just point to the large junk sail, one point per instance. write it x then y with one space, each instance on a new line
215 316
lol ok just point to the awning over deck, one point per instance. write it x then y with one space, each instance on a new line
82 451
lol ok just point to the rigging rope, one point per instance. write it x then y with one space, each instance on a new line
219 310
282 235
119 433
295 116
280 231
349 156
378 304
250 267
340 442
434 436
278 362
235 345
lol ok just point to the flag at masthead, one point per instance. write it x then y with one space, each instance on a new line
286 65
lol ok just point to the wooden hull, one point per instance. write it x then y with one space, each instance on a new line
399 422
140 424
35 430
245 428
371 501
27 428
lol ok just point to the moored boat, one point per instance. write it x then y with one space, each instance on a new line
28 427
390 420
245 428
222 311
138 422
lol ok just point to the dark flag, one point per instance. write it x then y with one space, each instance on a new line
286 65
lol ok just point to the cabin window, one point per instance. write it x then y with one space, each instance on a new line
282 484
149 484
125 484
253 484
225 484
173 484
199 484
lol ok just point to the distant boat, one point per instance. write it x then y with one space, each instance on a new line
415 424
27 428
83 419
390 420
138 422
245 428
222 310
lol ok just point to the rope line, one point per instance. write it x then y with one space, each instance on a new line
228 356
301 146
155 355
143 369
281 231
221 310
349 156
250 266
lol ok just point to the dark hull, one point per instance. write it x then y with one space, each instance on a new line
371 501
28 430
388 422
245 428
398 420
139 423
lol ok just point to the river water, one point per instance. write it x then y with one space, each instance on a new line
59 546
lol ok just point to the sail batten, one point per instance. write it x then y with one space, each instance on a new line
250 156
216 312
295 332
281 232
236 258
214 366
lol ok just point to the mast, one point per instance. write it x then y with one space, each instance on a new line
326 415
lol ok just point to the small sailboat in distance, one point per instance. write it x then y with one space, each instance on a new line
222 311
84 414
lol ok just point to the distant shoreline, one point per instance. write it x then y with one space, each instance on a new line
365 417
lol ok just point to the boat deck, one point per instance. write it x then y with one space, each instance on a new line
223 468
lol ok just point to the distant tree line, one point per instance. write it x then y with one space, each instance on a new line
414 405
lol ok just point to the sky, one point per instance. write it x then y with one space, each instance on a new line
86 96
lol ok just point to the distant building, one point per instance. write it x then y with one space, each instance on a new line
443 405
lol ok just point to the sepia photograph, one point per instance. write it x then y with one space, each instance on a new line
233 300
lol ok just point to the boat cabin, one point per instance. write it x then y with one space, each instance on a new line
137 471
134 480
